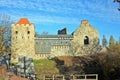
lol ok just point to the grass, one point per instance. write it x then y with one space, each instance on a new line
45 66
44 63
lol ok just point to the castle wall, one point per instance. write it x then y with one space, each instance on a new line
60 50
85 32
43 46
85 29
52 45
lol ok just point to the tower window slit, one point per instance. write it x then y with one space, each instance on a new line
28 32
16 32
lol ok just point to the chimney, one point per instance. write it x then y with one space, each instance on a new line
84 22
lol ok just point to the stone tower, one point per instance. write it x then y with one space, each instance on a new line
22 39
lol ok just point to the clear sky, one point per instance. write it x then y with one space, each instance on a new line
51 15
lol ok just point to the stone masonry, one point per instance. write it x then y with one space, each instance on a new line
26 43
85 37
22 39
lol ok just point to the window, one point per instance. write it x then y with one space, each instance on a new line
86 40
16 32
28 32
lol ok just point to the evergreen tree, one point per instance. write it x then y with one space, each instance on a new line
117 46
111 42
104 41
119 40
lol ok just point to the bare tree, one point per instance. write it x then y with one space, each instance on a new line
5 37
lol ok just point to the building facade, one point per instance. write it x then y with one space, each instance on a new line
25 42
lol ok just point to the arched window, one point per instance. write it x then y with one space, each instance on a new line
86 40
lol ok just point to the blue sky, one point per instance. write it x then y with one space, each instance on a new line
51 15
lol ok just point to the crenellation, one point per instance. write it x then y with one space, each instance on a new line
27 25
13 24
17 25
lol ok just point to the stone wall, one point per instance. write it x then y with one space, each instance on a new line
85 29
22 40
85 36
60 50
52 45
44 46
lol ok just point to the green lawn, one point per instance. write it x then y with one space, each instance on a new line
44 63
45 66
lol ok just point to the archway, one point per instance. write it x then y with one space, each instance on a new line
86 40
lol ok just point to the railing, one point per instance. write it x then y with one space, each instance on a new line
85 77
72 77
54 77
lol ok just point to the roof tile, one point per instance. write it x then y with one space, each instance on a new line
23 21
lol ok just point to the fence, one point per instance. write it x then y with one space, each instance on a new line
85 77
72 77
54 77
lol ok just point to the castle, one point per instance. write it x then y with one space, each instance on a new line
39 46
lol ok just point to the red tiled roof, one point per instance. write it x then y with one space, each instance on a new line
23 21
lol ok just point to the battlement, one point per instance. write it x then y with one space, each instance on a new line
16 24
23 22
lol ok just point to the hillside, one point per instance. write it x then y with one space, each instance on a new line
45 66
